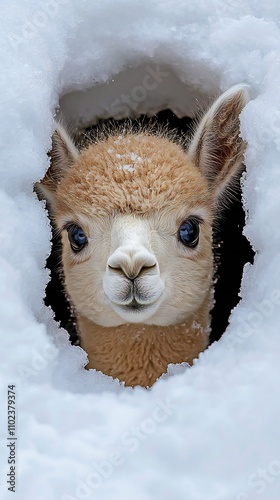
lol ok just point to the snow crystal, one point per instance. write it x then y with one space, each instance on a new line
119 140
136 158
127 168
210 432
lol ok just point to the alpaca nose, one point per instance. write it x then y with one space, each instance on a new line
132 262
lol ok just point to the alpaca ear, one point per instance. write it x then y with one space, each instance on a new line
217 148
62 155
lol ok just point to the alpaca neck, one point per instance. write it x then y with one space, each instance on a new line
138 354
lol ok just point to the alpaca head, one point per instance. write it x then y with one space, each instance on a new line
135 212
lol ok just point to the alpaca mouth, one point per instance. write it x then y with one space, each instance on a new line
134 300
135 306
134 297
134 311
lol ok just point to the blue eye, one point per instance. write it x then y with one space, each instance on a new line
77 238
188 233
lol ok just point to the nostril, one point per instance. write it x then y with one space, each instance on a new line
131 274
146 269
131 265
117 269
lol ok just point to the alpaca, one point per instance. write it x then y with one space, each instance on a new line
135 211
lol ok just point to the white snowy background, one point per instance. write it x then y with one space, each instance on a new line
211 432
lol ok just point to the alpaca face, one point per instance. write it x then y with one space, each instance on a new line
135 213
135 269
128 256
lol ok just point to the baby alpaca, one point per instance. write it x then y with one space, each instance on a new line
135 212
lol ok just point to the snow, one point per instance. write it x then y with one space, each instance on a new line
129 167
210 432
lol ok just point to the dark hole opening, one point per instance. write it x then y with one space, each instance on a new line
231 250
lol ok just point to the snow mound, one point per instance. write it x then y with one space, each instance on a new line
206 433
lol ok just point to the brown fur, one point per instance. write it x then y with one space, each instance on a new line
142 353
